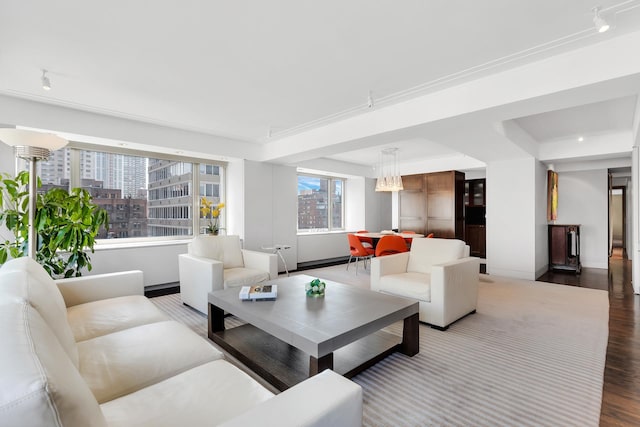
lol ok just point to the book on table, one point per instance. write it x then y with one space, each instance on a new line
259 293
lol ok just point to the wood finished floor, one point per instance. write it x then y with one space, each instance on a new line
621 390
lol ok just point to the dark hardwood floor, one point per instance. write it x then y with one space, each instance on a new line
621 389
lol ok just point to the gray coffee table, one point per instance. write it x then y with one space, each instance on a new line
295 336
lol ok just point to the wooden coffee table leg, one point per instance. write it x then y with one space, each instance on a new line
411 336
318 365
216 319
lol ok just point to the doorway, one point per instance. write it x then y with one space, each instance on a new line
617 221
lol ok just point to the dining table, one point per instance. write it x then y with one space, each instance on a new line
375 237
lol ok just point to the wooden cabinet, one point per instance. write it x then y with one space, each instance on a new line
475 216
564 247
474 192
433 203
476 237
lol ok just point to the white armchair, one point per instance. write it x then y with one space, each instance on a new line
439 273
218 262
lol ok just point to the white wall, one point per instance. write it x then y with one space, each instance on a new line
270 209
511 218
583 199
158 262
322 246
7 165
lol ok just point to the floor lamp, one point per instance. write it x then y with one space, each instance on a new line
32 146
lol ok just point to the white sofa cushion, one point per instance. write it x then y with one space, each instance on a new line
230 393
234 277
97 318
412 285
126 361
426 252
25 278
232 252
222 248
39 385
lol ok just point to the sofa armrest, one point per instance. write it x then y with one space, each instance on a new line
261 261
454 287
389 264
327 399
198 277
79 290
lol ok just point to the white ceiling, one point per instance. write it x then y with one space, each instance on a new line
265 72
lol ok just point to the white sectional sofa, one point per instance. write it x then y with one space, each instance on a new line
93 351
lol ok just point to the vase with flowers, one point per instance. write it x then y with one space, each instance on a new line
211 212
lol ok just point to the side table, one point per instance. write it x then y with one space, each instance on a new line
277 249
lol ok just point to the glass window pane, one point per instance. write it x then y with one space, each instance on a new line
210 188
336 203
313 201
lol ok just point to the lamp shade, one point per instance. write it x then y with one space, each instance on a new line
31 138
29 144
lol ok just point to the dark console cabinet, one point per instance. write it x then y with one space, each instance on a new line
564 247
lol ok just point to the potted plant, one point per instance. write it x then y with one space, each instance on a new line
66 224
211 212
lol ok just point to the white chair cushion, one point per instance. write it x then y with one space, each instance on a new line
26 279
207 395
207 246
426 252
117 364
234 277
232 252
412 285
39 385
97 318
222 248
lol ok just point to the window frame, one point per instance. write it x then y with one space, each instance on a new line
75 181
330 227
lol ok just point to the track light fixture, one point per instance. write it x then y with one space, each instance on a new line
370 100
598 21
46 83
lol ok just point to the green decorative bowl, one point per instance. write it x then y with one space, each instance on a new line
315 288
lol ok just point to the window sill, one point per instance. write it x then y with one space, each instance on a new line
318 233
106 245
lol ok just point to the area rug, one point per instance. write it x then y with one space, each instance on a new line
532 355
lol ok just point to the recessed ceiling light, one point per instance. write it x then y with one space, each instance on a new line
580 139
179 152
122 144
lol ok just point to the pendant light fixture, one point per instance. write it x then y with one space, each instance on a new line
388 177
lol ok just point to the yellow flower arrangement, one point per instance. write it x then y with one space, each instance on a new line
212 213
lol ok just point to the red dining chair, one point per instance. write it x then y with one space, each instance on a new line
429 236
358 251
389 245
367 242
408 240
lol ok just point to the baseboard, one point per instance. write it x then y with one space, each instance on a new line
321 263
162 289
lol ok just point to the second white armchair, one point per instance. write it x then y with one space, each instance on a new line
438 273
219 262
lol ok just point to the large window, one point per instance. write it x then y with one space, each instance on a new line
143 196
320 203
